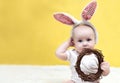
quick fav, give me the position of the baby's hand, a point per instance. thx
(106, 68)
(71, 42)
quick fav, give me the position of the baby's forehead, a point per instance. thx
(84, 36)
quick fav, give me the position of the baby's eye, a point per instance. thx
(79, 40)
(89, 39)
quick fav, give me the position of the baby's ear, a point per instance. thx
(89, 10)
(72, 41)
(64, 18)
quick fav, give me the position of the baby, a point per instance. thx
(83, 36)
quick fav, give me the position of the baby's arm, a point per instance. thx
(106, 68)
(61, 51)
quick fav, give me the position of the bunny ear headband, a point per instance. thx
(86, 15)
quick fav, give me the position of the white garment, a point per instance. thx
(89, 64)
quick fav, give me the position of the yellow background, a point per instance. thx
(30, 35)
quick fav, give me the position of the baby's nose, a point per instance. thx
(85, 44)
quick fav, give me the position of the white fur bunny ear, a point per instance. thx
(65, 18)
(89, 10)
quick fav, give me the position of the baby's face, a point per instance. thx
(83, 37)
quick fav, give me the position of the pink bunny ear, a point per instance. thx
(89, 10)
(64, 18)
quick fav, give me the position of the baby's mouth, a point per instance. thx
(85, 48)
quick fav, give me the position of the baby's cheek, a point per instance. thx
(92, 46)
